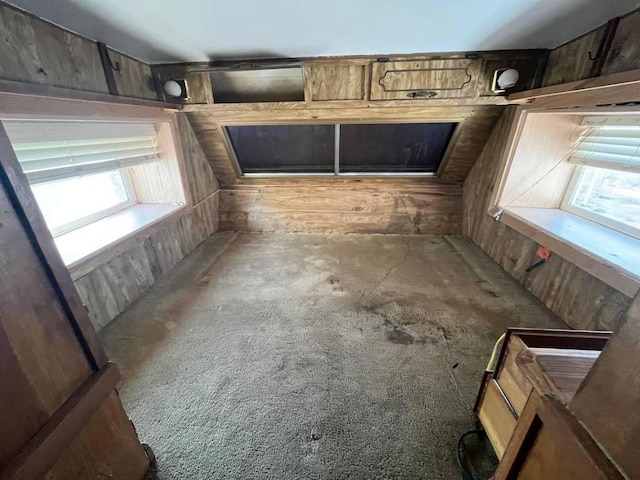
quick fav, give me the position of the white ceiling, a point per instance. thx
(159, 31)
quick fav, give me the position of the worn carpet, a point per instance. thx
(315, 356)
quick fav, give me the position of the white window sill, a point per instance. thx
(87, 247)
(608, 255)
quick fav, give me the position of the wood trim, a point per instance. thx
(525, 432)
(19, 192)
(46, 446)
(609, 89)
(346, 104)
(89, 263)
(45, 91)
(612, 275)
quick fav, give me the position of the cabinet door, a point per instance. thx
(58, 389)
(423, 79)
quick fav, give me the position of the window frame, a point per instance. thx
(567, 206)
(336, 171)
(94, 217)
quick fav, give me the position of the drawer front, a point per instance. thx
(511, 378)
(496, 417)
(425, 79)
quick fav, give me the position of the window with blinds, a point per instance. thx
(55, 150)
(606, 186)
(78, 169)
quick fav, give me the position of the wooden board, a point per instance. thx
(572, 61)
(624, 52)
(606, 403)
(496, 417)
(108, 446)
(580, 299)
(454, 78)
(335, 82)
(35, 51)
(134, 78)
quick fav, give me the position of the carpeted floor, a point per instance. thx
(315, 356)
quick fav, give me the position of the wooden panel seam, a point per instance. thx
(42, 451)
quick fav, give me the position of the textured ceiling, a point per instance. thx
(159, 31)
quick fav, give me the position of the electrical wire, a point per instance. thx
(465, 474)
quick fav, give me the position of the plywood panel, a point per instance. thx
(581, 300)
(108, 447)
(607, 401)
(115, 285)
(335, 82)
(41, 360)
(624, 53)
(454, 78)
(35, 51)
(134, 78)
(200, 178)
(572, 61)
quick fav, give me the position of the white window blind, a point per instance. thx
(53, 150)
(610, 142)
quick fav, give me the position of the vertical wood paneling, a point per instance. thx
(335, 82)
(134, 78)
(200, 178)
(580, 299)
(624, 53)
(571, 62)
(35, 51)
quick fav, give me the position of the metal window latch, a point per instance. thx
(498, 214)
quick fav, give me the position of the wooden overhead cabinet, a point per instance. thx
(424, 79)
(60, 415)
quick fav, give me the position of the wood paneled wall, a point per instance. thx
(339, 204)
(111, 287)
(581, 300)
(574, 60)
(36, 51)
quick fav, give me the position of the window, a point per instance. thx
(354, 149)
(605, 187)
(79, 171)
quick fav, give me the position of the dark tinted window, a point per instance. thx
(394, 148)
(284, 148)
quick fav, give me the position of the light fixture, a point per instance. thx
(504, 79)
(176, 88)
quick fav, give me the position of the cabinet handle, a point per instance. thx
(422, 93)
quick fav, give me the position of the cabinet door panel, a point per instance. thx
(456, 78)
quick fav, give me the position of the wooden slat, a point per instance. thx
(41, 452)
(615, 88)
(334, 82)
(496, 417)
(21, 90)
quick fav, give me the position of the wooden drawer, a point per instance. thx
(496, 416)
(423, 79)
(512, 380)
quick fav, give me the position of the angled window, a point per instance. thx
(277, 149)
(341, 149)
(394, 148)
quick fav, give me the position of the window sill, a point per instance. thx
(85, 248)
(608, 255)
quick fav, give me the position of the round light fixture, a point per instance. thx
(508, 78)
(173, 89)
